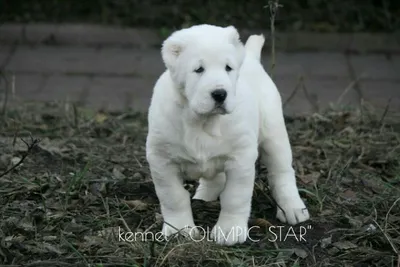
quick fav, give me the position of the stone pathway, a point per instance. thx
(115, 76)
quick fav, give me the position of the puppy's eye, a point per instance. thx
(199, 70)
(228, 68)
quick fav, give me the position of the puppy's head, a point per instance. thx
(204, 63)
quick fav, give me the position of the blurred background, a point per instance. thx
(295, 15)
(105, 53)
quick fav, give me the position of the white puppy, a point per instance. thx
(211, 110)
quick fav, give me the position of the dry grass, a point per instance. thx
(88, 177)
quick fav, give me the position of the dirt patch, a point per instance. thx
(87, 181)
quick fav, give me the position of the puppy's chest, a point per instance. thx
(202, 156)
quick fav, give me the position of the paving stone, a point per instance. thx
(395, 60)
(39, 33)
(379, 92)
(146, 62)
(297, 104)
(321, 94)
(64, 87)
(328, 91)
(5, 51)
(27, 86)
(10, 33)
(117, 78)
(106, 35)
(85, 61)
(373, 67)
(307, 64)
(53, 59)
(119, 93)
(375, 42)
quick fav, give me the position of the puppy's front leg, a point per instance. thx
(231, 227)
(174, 198)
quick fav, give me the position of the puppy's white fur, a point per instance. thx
(189, 139)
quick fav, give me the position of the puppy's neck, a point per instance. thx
(210, 124)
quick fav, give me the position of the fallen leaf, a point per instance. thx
(109, 233)
(52, 248)
(356, 222)
(50, 238)
(327, 212)
(97, 188)
(344, 245)
(158, 218)
(333, 251)
(100, 117)
(300, 253)
(369, 228)
(348, 195)
(5, 161)
(374, 184)
(116, 173)
(15, 160)
(310, 178)
(326, 242)
(94, 241)
(75, 228)
(261, 222)
(137, 176)
(26, 224)
(137, 205)
(50, 147)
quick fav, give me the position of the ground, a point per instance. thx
(84, 176)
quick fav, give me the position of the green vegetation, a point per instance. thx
(307, 15)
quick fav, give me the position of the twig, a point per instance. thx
(301, 80)
(387, 238)
(169, 253)
(75, 111)
(6, 88)
(2, 72)
(314, 104)
(387, 214)
(350, 86)
(31, 146)
(385, 112)
(273, 10)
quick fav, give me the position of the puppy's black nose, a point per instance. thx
(219, 95)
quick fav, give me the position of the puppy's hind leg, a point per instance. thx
(209, 190)
(276, 154)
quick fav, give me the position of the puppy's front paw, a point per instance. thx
(230, 230)
(182, 223)
(291, 208)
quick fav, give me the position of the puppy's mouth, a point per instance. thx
(219, 109)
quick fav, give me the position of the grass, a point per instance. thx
(87, 180)
(299, 15)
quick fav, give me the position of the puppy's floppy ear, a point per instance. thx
(233, 35)
(171, 49)
(234, 38)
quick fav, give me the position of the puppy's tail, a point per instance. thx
(254, 45)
